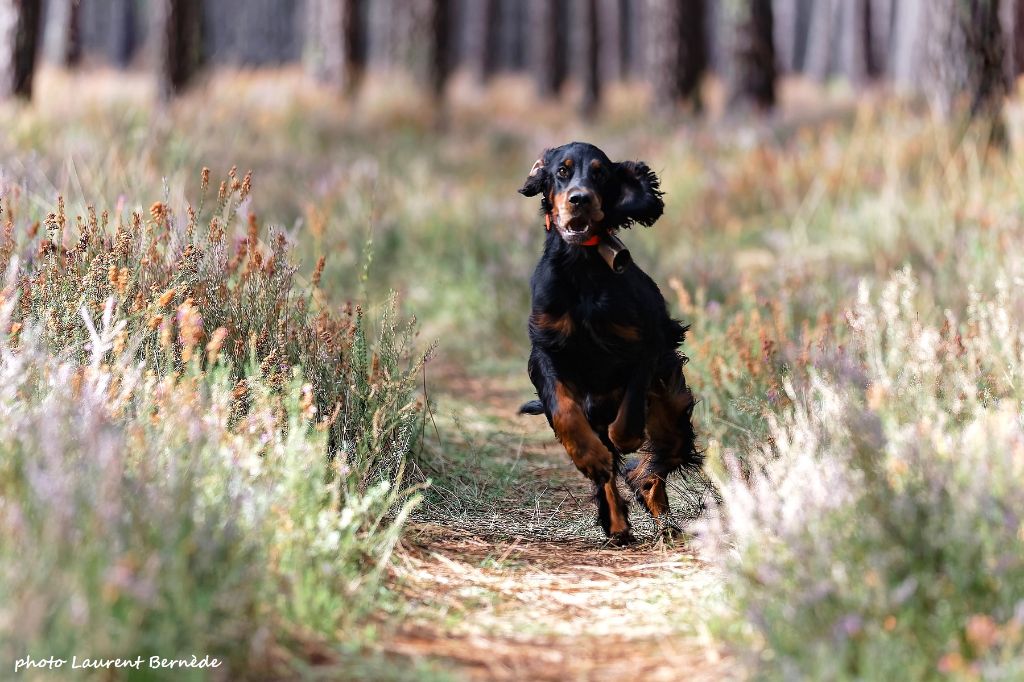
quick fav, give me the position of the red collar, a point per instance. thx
(593, 241)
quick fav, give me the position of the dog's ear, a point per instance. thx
(640, 197)
(538, 179)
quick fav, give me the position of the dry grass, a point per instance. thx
(505, 573)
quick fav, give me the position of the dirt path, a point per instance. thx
(508, 578)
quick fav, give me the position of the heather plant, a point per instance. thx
(879, 533)
(197, 456)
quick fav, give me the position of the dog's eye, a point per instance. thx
(563, 172)
(600, 173)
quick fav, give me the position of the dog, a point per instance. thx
(604, 357)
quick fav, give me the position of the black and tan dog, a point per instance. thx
(605, 357)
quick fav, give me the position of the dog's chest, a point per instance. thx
(602, 325)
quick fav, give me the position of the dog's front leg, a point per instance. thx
(584, 446)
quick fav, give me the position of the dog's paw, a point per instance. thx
(621, 539)
(669, 531)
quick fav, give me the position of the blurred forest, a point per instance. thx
(953, 51)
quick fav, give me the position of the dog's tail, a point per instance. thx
(532, 407)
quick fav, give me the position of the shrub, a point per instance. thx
(880, 534)
(197, 457)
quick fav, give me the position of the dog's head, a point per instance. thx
(585, 194)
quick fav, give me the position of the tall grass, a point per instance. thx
(873, 531)
(198, 456)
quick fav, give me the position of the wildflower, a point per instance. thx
(682, 295)
(306, 402)
(122, 281)
(190, 326)
(165, 333)
(318, 270)
(951, 663)
(216, 233)
(15, 328)
(246, 186)
(158, 211)
(119, 342)
(982, 632)
(216, 341)
(155, 321)
(165, 298)
(205, 178)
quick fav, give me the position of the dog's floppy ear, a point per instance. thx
(537, 180)
(640, 197)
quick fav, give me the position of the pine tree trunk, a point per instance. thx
(586, 18)
(854, 41)
(786, 33)
(881, 45)
(122, 30)
(965, 57)
(821, 39)
(549, 33)
(334, 43)
(438, 67)
(633, 18)
(612, 64)
(1012, 19)
(484, 21)
(61, 39)
(907, 56)
(678, 51)
(751, 70)
(19, 34)
(178, 42)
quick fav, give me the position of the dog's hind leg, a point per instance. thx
(671, 442)
(627, 430)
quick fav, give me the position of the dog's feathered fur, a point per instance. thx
(605, 359)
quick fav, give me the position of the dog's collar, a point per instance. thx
(593, 241)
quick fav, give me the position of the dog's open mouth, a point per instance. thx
(576, 230)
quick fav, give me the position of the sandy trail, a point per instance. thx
(512, 581)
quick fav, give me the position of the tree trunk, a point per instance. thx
(484, 20)
(438, 67)
(178, 42)
(880, 48)
(786, 33)
(751, 71)
(586, 19)
(19, 33)
(123, 40)
(549, 32)
(855, 41)
(334, 46)
(610, 53)
(965, 57)
(632, 24)
(907, 57)
(678, 51)
(61, 34)
(821, 39)
(1012, 20)
(511, 24)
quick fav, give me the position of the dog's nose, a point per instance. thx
(579, 199)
